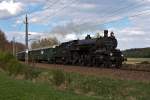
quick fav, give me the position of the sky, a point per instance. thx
(74, 19)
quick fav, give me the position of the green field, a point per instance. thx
(105, 89)
(137, 60)
(11, 89)
(41, 84)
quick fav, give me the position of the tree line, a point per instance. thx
(138, 53)
(7, 46)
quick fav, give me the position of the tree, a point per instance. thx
(7, 46)
(3, 40)
(18, 46)
(97, 35)
(44, 42)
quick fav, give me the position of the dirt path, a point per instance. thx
(113, 73)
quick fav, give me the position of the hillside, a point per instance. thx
(137, 53)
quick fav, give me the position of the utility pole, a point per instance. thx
(14, 47)
(26, 39)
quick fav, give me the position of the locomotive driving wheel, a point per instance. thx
(118, 64)
(107, 62)
(65, 61)
(89, 60)
(82, 60)
(75, 59)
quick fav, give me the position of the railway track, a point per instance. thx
(136, 67)
(123, 73)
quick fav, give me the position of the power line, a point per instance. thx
(53, 4)
(140, 14)
(20, 26)
(135, 15)
(64, 7)
(112, 13)
(73, 1)
(117, 6)
(118, 11)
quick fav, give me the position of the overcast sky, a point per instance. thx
(73, 19)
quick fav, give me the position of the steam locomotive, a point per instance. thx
(100, 51)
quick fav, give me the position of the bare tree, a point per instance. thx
(7, 46)
(44, 42)
(3, 40)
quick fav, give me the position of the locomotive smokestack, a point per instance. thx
(112, 34)
(105, 33)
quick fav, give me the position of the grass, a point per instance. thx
(11, 89)
(13, 67)
(38, 84)
(111, 89)
(137, 60)
(79, 88)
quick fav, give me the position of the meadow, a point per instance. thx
(72, 87)
(137, 60)
(22, 82)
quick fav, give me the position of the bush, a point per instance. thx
(9, 64)
(145, 62)
(14, 67)
(4, 59)
(69, 78)
(31, 73)
(58, 77)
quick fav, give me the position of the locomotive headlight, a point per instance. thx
(122, 55)
(111, 54)
(27, 51)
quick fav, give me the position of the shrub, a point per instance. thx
(58, 77)
(145, 62)
(69, 78)
(6, 57)
(31, 73)
(9, 63)
(14, 67)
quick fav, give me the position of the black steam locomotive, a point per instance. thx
(99, 51)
